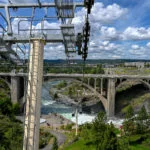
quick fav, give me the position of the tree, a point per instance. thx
(86, 132)
(130, 112)
(103, 134)
(10, 134)
(129, 124)
(142, 120)
(6, 106)
(109, 141)
(55, 144)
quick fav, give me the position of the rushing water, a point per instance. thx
(51, 106)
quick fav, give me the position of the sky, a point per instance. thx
(120, 29)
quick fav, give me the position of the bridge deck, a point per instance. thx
(53, 75)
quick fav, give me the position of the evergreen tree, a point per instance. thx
(142, 120)
(129, 124)
(103, 134)
(55, 145)
(130, 112)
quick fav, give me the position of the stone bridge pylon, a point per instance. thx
(16, 85)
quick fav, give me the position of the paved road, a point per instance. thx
(61, 138)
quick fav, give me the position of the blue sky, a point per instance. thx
(119, 29)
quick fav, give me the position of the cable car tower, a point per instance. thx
(37, 38)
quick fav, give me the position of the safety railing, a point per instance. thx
(37, 27)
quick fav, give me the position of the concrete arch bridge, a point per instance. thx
(104, 86)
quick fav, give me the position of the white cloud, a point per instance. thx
(99, 15)
(108, 33)
(116, 56)
(133, 33)
(135, 46)
(101, 45)
(137, 50)
(54, 51)
(130, 33)
(103, 14)
(148, 44)
(105, 46)
(21, 25)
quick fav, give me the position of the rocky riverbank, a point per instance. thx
(62, 98)
(55, 121)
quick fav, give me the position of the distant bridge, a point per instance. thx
(104, 86)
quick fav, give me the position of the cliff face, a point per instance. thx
(136, 96)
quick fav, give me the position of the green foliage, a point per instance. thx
(100, 134)
(55, 96)
(68, 127)
(55, 145)
(136, 129)
(87, 70)
(44, 138)
(71, 91)
(105, 138)
(11, 134)
(129, 124)
(86, 132)
(130, 112)
(16, 108)
(123, 143)
(61, 85)
(142, 121)
(80, 145)
(75, 90)
(6, 106)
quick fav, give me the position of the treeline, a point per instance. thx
(52, 69)
(79, 69)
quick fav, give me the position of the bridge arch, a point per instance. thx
(5, 80)
(144, 82)
(101, 98)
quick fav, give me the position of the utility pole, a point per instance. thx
(77, 112)
(77, 121)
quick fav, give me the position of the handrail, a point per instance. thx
(33, 29)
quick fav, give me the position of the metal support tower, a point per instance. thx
(65, 10)
(33, 102)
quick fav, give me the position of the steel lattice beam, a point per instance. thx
(30, 5)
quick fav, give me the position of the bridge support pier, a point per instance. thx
(15, 89)
(111, 97)
(33, 100)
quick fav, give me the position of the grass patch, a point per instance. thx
(80, 145)
(139, 147)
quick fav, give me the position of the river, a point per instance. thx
(51, 106)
